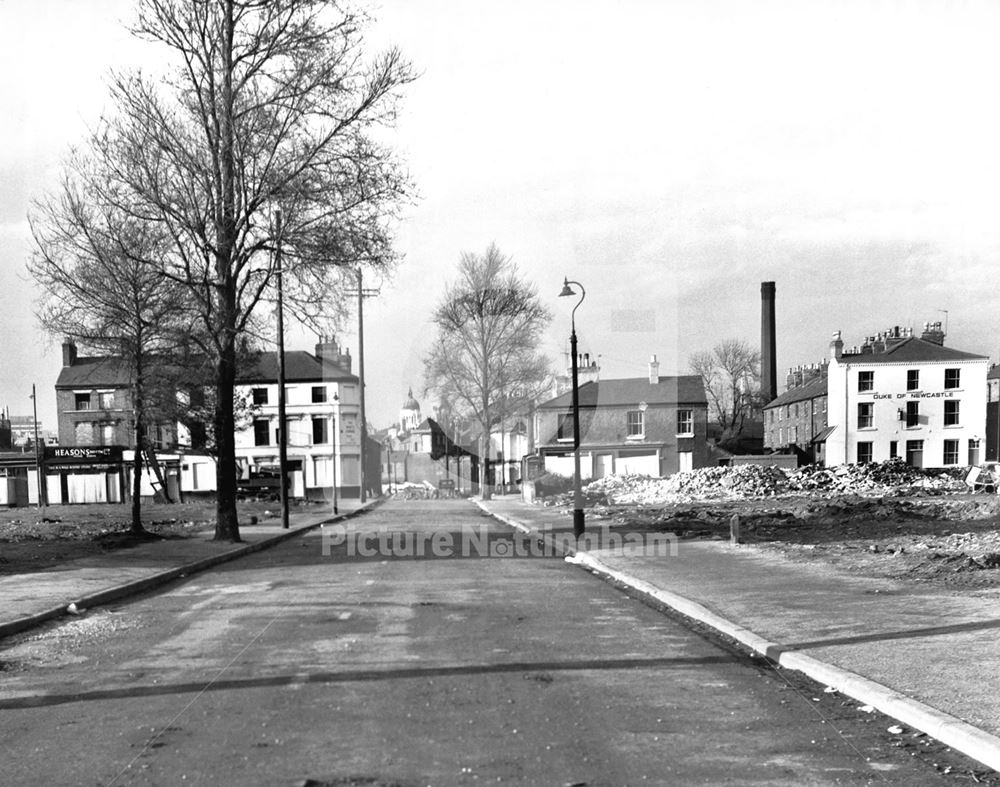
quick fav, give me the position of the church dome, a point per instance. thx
(411, 403)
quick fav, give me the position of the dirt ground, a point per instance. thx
(950, 540)
(32, 539)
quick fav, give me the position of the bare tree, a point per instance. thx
(730, 372)
(266, 109)
(91, 264)
(486, 356)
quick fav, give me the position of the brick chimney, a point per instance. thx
(836, 346)
(328, 352)
(768, 344)
(654, 370)
(69, 351)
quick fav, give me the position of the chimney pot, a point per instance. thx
(654, 370)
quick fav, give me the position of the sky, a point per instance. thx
(669, 155)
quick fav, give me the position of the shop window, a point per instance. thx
(951, 412)
(952, 377)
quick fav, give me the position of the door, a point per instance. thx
(605, 465)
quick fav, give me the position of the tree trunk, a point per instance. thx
(137, 409)
(137, 528)
(226, 523)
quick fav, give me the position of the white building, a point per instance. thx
(322, 408)
(899, 395)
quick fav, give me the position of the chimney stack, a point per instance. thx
(68, 351)
(768, 344)
(654, 370)
(836, 346)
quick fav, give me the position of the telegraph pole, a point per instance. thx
(362, 294)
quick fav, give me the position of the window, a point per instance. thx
(318, 394)
(259, 397)
(82, 401)
(261, 431)
(866, 415)
(913, 380)
(795, 412)
(824, 404)
(107, 434)
(864, 453)
(635, 422)
(913, 413)
(893, 449)
(951, 412)
(951, 452)
(106, 400)
(564, 430)
(973, 453)
(866, 381)
(320, 431)
(793, 434)
(685, 422)
(951, 378)
(915, 453)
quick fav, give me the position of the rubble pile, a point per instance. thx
(746, 482)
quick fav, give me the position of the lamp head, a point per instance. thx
(566, 290)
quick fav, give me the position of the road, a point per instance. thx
(305, 664)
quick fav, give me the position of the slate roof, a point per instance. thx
(300, 366)
(800, 393)
(684, 389)
(914, 350)
(97, 372)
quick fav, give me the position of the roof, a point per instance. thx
(684, 389)
(113, 372)
(822, 434)
(300, 366)
(915, 350)
(800, 393)
(102, 371)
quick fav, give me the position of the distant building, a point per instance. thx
(796, 420)
(653, 425)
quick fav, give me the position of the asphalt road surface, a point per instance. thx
(307, 664)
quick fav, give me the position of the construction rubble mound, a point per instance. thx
(748, 482)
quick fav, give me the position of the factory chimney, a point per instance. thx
(768, 368)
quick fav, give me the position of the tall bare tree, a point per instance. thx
(264, 107)
(730, 372)
(485, 358)
(91, 265)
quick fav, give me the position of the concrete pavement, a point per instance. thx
(28, 599)
(926, 656)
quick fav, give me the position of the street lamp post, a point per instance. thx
(578, 524)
